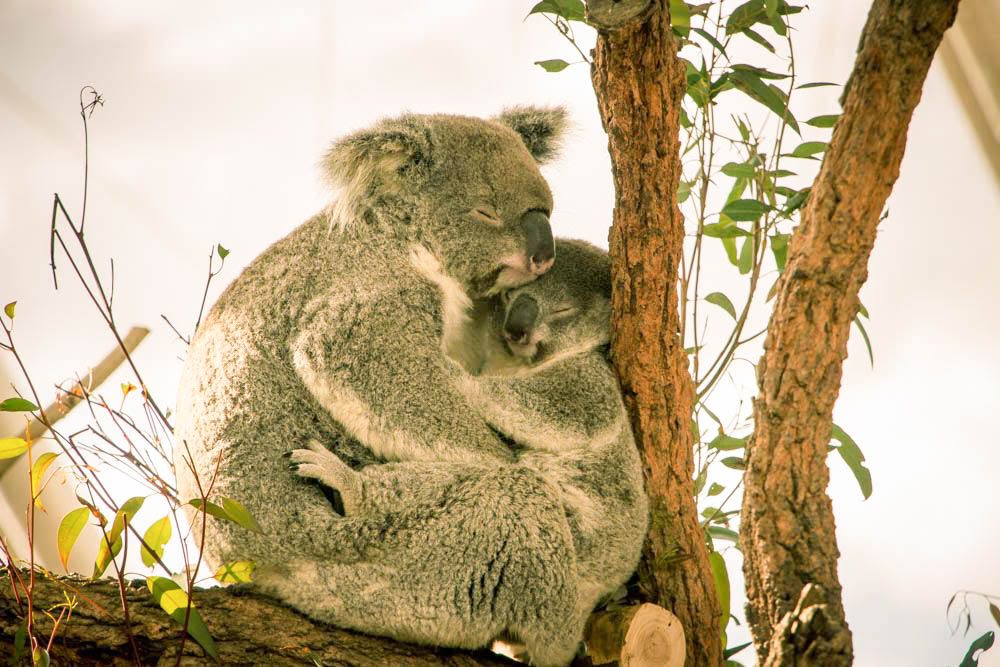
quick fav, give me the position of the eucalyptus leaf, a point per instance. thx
(868, 343)
(156, 536)
(722, 301)
(236, 572)
(745, 262)
(823, 121)
(735, 169)
(223, 252)
(721, 578)
(9, 309)
(982, 643)
(571, 10)
(17, 404)
(808, 149)
(38, 469)
(851, 453)
(12, 447)
(69, 531)
(173, 600)
(726, 443)
(750, 83)
(815, 84)
(734, 462)
(745, 210)
(718, 230)
(554, 65)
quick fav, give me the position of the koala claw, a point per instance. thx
(319, 463)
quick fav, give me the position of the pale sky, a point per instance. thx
(216, 116)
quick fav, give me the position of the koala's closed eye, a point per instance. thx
(486, 213)
(563, 312)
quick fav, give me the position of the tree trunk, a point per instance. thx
(787, 527)
(639, 81)
(248, 628)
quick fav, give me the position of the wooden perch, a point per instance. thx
(90, 380)
(248, 628)
(636, 636)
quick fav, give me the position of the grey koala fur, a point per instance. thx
(562, 407)
(336, 332)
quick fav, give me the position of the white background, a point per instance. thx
(217, 114)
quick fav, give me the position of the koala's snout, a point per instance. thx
(519, 323)
(539, 246)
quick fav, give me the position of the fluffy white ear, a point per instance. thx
(541, 128)
(374, 158)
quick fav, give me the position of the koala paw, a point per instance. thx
(319, 463)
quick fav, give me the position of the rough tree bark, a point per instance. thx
(248, 628)
(787, 532)
(639, 81)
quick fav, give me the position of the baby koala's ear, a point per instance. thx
(541, 128)
(378, 153)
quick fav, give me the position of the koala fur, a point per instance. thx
(337, 332)
(562, 409)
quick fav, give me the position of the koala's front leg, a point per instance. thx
(375, 362)
(319, 463)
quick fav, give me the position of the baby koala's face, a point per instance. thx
(564, 312)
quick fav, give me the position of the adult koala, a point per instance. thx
(336, 333)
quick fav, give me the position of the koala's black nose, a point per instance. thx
(540, 247)
(520, 321)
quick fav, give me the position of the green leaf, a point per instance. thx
(733, 650)
(760, 72)
(17, 405)
(725, 443)
(734, 462)
(38, 469)
(779, 247)
(995, 613)
(555, 65)
(745, 16)
(808, 149)
(797, 200)
(749, 82)
(240, 515)
(723, 533)
(173, 600)
(223, 253)
(723, 302)
(20, 639)
(868, 343)
(719, 230)
(69, 530)
(711, 40)
(745, 262)
(684, 191)
(715, 489)
(680, 17)
(156, 536)
(757, 37)
(9, 309)
(111, 543)
(571, 10)
(735, 169)
(863, 311)
(815, 84)
(721, 578)
(12, 447)
(40, 657)
(745, 210)
(210, 508)
(237, 572)
(699, 482)
(851, 453)
(823, 121)
(983, 643)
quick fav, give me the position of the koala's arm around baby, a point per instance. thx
(374, 362)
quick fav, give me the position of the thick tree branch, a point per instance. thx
(249, 629)
(639, 81)
(787, 529)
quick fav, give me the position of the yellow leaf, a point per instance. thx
(156, 537)
(236, 572)
(12, 447)
(37, 472)
(69, 530)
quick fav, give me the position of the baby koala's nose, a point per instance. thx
(520, 320)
